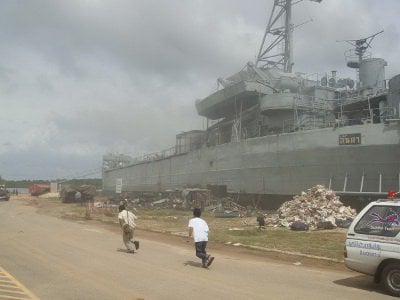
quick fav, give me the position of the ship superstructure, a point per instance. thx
(271, 131)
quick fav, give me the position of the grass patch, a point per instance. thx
(319, 243)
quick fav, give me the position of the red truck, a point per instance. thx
(39, 189)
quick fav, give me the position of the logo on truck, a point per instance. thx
(391, 219)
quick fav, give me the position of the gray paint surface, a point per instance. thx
(280, 164)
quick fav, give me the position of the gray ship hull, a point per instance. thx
(283, 164)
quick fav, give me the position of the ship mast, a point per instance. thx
(359, 52)
(361, 45)
(279, 53)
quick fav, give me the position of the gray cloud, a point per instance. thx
(81, 78)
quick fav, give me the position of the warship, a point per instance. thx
(274, 132)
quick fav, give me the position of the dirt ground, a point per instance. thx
(64, 258)
(57, 209)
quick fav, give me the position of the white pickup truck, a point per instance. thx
(373, 243)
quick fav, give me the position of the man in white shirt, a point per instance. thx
(198, 228)
(127, 222)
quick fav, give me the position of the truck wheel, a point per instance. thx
(391, 278)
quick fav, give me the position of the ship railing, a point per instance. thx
(391, 114)
(172, 151)
(366, 116)
(169, 152)
(291, 125)
(351, 55)
(352, 96)
(312, 103)
(155, 155)
(378, 181)
(360, 117)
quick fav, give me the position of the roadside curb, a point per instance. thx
(288, 252)
(266, 249)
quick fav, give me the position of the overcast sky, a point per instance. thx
(82, 78)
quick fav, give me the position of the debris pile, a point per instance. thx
(228, 203)
(318, 206)
(226, 208)
(190, 198)
(83, 193)
(165, 203)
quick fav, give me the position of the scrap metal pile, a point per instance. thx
(227, 208)
(221, 207)
(68, 193)
(317, 206)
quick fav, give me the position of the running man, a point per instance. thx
(198, 228)
(127, 222)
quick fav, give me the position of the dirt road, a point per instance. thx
(60, 259)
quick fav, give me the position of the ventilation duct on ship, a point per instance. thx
(324, 81)
(332, 82)
(394, 97)
(372, 73)
(286, 83)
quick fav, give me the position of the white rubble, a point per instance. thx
(318, 204)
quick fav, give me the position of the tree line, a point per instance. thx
(97, 182)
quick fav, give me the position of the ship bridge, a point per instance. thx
(228, 101)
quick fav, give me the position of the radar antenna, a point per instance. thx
(281, 36)
(361, 45)
(355, 55)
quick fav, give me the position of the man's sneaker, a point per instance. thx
(131, 251)
(136, 244)
(204, 261)
(210, 260)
